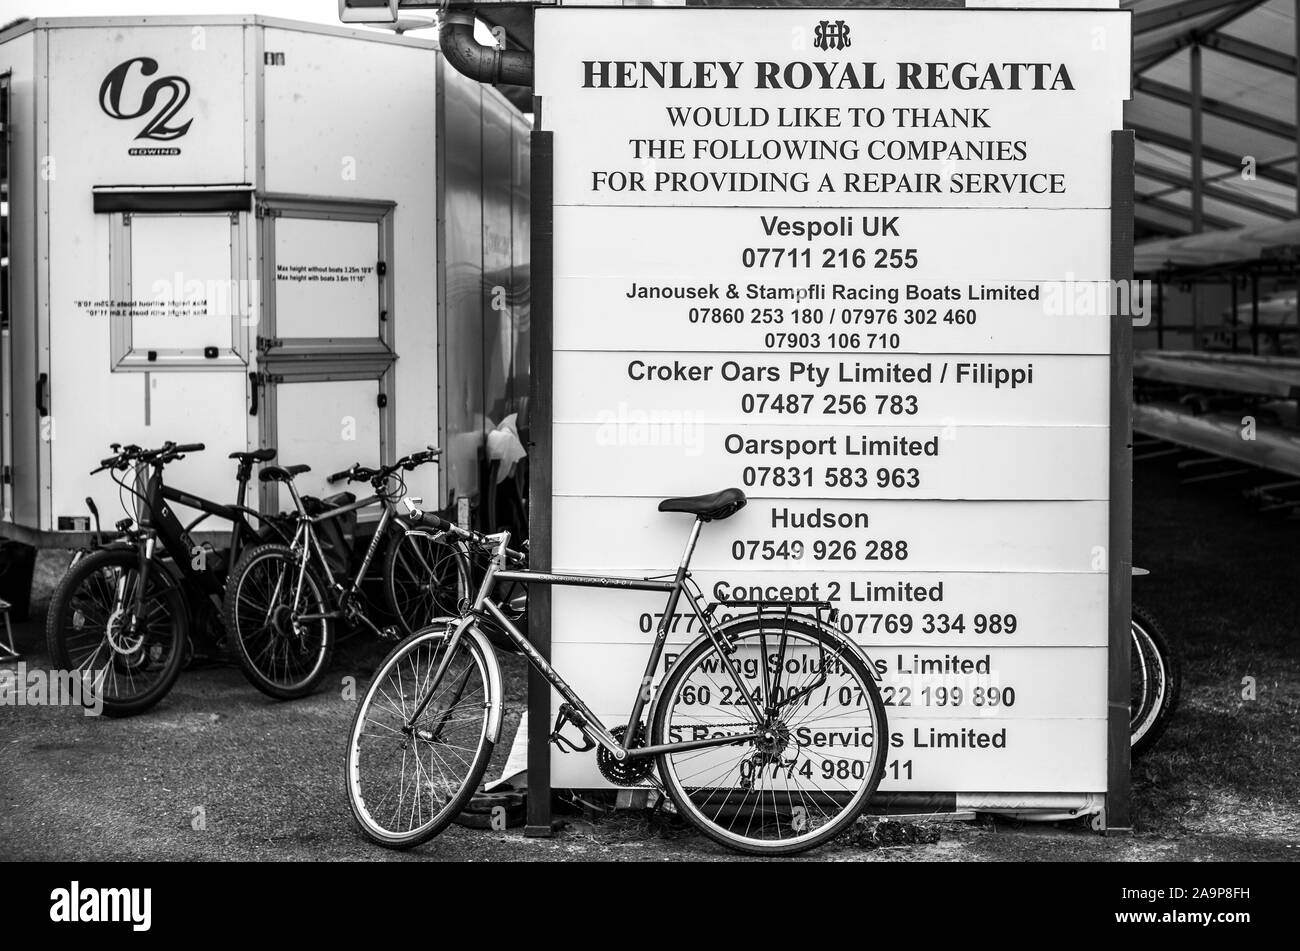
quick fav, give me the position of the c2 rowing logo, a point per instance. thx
(161, 111)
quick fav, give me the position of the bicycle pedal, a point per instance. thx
(390, 633)
(569, 715)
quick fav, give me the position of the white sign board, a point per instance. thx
(838, 259)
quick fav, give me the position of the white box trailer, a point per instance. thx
(250, 232)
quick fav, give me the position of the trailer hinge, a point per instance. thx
(381, 400)
(266, 343)
(6, 475)
(266, 211)
(254, 391)
(381, 268)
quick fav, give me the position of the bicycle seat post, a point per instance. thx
(690, 549)
(293, 493)
(242, 475)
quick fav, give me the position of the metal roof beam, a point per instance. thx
(1169, 140)
(1173, 13)
(1250, 52)
(1169, 207)
(1183, 183)
(1146, 57)
(1213, 107)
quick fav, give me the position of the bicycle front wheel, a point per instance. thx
(278, 618)
(424, 578)
(811, 760)
(126, 662)
(408, 777)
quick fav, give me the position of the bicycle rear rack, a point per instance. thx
(832, 612)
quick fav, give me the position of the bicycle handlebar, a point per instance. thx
(441, 524)
(167, 452)
(360, 473)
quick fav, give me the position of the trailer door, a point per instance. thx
(325, 344)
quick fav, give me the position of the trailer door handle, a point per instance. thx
(252, 403)
(43, 395)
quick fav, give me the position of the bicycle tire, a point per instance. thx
(1158, 707)
(857, 799)
(67, 612)
(403, 559)
(246, 638)
(484, 660)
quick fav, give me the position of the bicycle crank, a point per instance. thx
(628, 772)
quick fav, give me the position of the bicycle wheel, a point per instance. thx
(278, 628)
(88, 630)
(424, 578)
(407, 781)
(817, 760)
(1155, 679)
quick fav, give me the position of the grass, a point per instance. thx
(1223, 581)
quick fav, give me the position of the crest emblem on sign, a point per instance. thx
(832, 35)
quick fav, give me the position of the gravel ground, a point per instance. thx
(217, 771)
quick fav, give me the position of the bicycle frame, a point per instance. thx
(163, 526)
(675, 589)
(305, 539)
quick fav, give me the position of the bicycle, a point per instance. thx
(283, 599)
(742, 754)
(1155, 679)
(123, 611)
(425, 576)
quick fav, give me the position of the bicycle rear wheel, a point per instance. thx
(817, 759)
(280, 630)
(407, 781)
(88, 630)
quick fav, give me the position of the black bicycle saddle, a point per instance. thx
(712, 507)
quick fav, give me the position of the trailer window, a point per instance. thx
(326, 280)
(180, 297)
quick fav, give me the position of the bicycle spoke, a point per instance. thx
(424, 763)
(777, 790)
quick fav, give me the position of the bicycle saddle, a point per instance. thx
(713, 507)
(281, 473)
(260, 455)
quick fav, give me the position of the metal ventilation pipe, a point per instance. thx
(487, 64)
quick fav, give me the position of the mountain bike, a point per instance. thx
(123, 612)
(283, 600)
(767, 732)
(1155, 679)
